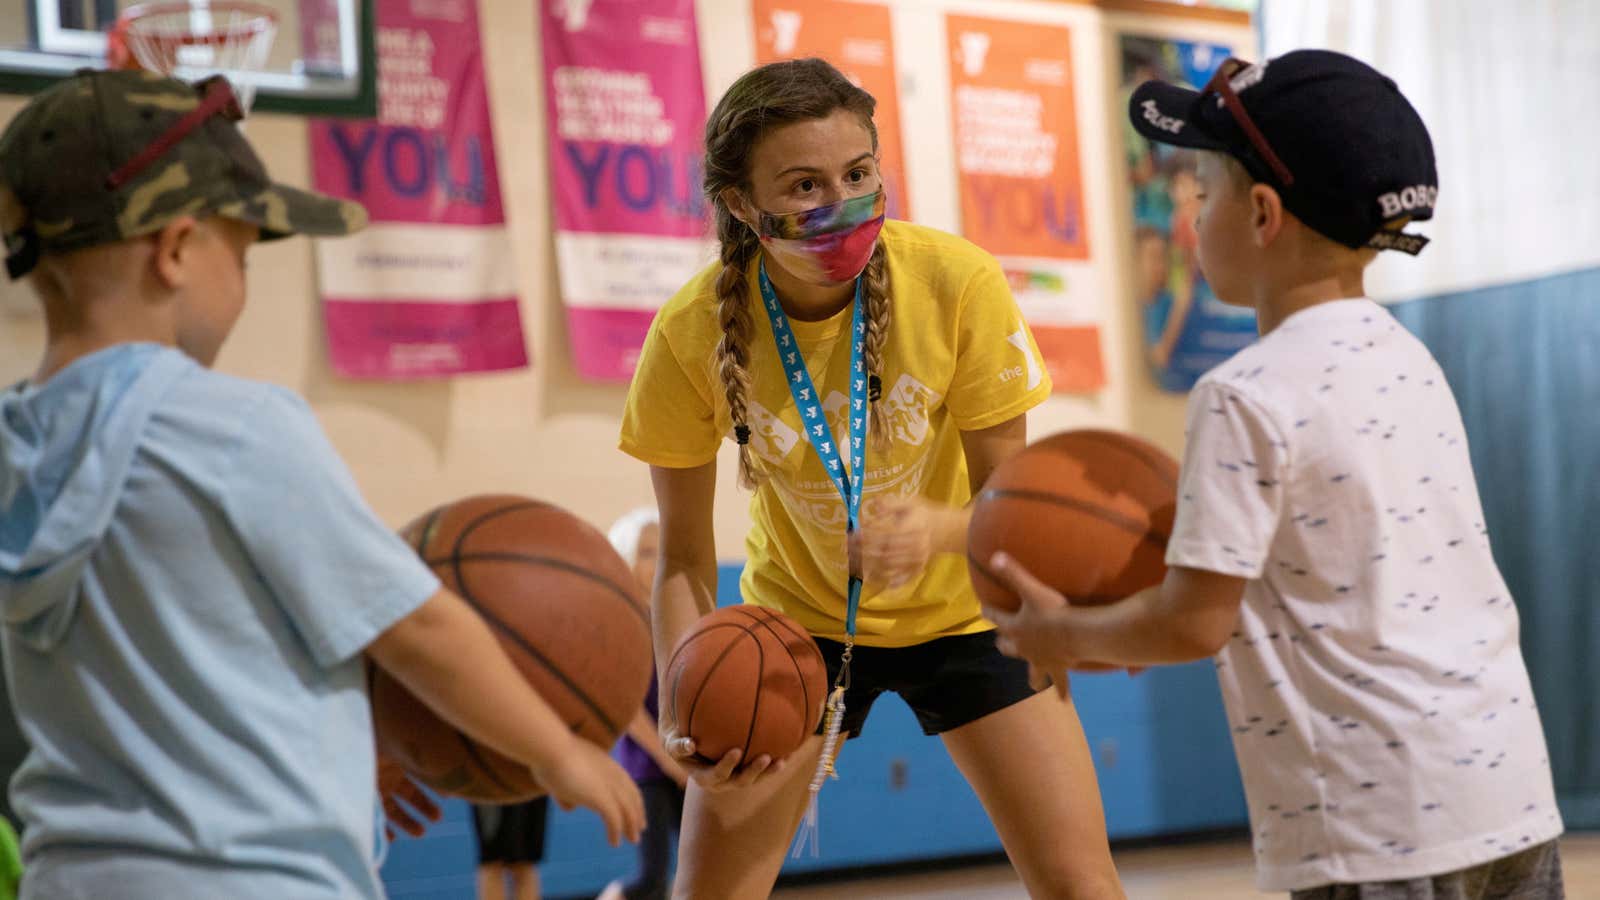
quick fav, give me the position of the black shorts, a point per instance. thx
(948, 682)
(511, 835)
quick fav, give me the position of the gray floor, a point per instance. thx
(1190, 872)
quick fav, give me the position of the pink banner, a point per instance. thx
(428, 290)
(627, 109)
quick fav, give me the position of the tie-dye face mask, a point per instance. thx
(827, 245)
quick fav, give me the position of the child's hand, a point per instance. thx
(726, 773)
(1041, 598)
(1040, 631)
(585, 775)
(394, 785)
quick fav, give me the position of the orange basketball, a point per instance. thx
(1087, 512)
(746, 677)
(565, 608)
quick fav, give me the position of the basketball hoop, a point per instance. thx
(191, 40)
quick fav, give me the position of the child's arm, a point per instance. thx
(1188, 616)
(447, 656)
(645, 733)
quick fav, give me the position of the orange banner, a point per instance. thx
(856, 38)
(1016, 135)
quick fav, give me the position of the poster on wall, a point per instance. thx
(1186, 330)
(428, 289)
(626, 114)
(857, 39)
(1021, 185)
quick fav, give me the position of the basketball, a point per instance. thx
(746, 678)
(565, 608)
(1087, 512)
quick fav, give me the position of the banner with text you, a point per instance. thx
(857, 39)
(429, 288)
(627, 113)
(1021, 186)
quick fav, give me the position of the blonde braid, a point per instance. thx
(875, 293)
(733, 351)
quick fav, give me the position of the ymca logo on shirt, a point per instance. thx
(1019, 340)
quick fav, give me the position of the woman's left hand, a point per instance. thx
(899, 535)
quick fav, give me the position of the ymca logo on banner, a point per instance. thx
(574, 14)
(858, 40)
(974, 49)
(786, 25)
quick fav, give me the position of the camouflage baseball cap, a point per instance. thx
(110, 155)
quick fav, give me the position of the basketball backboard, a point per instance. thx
(321, 60)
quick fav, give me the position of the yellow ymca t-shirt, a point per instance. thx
(958, 357)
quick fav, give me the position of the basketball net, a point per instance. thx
(193, 39)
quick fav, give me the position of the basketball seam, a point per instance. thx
(805, 692)
(986, 573)
(788, 624)
(554, 563)
(983, 570)
(695, 637)
(481, 763)
(715, 664)
(426, 532)
(1127, 524)
(755, 705)
(456, 559)
(1145, 454)
(535, 654)
(482, 518)
(675, 672)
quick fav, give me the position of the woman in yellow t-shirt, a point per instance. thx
(828, 342)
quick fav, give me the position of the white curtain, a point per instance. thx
(1510, 91)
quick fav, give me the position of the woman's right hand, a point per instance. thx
(724, 775)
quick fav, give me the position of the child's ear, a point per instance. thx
(175, 246)
(1266, 214)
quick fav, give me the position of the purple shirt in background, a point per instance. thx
(633, 757)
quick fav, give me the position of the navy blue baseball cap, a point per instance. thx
(1335, 137)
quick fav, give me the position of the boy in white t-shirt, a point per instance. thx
(1329, 546)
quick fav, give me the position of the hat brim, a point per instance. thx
(1168, 114)
(280, 211)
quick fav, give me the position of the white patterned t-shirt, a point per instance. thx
(1377, 696)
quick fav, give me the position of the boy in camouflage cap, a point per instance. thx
(190, 581)
(109, 156)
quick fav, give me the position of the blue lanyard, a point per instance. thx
(815, 424)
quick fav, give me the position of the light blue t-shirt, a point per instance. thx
(188, 576)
